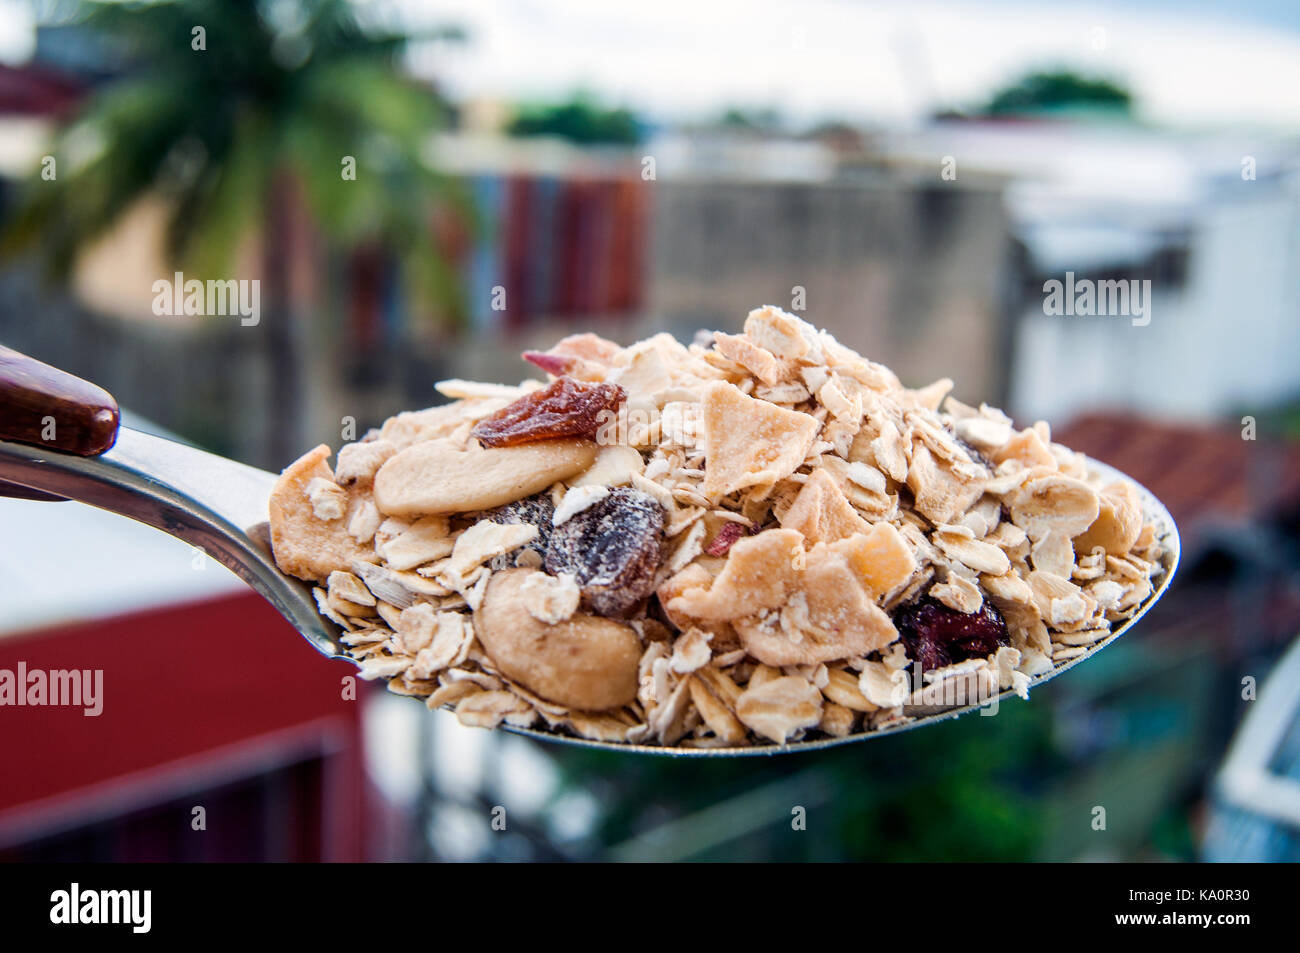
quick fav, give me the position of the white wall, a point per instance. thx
(1229, 337)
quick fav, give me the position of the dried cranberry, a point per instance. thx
(936, 635)
(557, 364)
(726, 538)
(567, 408)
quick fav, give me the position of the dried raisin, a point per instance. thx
(566, 408)
(536, 510)
(613, 547)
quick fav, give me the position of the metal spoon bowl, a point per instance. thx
(210, 502)
(220, 506)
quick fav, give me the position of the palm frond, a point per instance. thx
(290, 86)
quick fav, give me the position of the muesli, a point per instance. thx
(754, 539)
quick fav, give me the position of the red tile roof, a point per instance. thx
(1209, 478)
(1204, 474)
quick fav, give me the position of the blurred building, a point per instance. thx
(214, 734)
(934, 275)
(1211, 219)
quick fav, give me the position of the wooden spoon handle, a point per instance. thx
(46, 407)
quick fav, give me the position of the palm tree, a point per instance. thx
(223, 121)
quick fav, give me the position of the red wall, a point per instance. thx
(194, 697)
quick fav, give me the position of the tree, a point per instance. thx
(1054, 90)
(738, 119)
(221, 106)
(579, 120)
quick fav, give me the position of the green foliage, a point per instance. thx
(738, 119)
(280, 92)
(1281, 422)
(1058, 90)
(956, 792)
(579, 120)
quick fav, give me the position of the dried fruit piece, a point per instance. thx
(936, 635)
(557, 364)
(537, 510)
(727, 536)
(613, 548)
(584, 356)
(567, 408)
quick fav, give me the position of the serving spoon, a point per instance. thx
(61, 439)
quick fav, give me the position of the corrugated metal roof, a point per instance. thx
(1207, 476)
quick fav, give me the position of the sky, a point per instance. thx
(16, 38)
(1190, 62)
